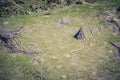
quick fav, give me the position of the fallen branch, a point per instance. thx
(114, 45)
(117, 47)
(8, 38)
(113, 71)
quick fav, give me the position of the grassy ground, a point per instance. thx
(61, 56)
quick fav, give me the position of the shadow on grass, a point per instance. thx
(17, 68)
(110, 70)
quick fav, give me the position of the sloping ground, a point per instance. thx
(21, 7)
(60, 56)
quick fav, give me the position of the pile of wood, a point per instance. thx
(9, 37)
(114, 18)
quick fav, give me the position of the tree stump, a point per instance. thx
(79, 35)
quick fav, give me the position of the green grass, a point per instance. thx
(61, 56)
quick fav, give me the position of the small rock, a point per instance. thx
(67, 56)
(58, 66)
(63, 77)
(93, 73)
(5, 23)
(65, 20)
